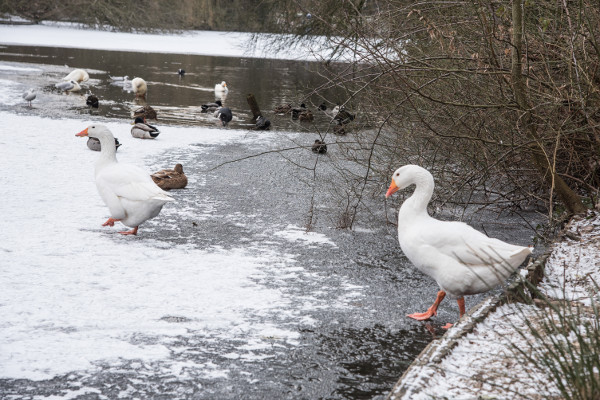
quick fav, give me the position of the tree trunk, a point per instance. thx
(253, 106)
(568, 197)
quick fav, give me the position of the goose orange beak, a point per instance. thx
(391, 190)
(82, 133)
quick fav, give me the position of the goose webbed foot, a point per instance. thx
(131, 232)
(110, 222)
(431, 311)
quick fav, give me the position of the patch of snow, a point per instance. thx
(11, 93)
(211, 43)
(573, 269)
(10, 68)
(75, 296)
(478, 365)
(71, 394)
(295, 233)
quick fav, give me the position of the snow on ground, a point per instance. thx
(74, 294)
(211, 43)
(295, 233)
(485, 363)
(573, 268)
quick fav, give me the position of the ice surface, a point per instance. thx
(74, 294)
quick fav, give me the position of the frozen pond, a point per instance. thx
(224, 294)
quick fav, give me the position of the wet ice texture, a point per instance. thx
(78, 298)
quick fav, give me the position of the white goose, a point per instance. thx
(462, 260)
(128, 191)
(70, 86)
(139, 87)
(77, 75)
(221, 88)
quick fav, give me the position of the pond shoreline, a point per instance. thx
(438, 358)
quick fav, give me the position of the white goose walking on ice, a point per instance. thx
(128, 191)
(462, 260)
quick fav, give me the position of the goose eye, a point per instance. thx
(397, 173)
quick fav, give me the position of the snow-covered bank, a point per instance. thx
(210, 43)
(485, 362)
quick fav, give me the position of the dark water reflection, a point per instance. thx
(177, 99)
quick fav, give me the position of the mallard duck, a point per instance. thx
(343, 116)
(221, 87)
(262, 124)
(224, 114)
(319, 147)
(462, 260)
(92, 101)
(283, 109)
(128, 191)
(338, 129)
(168, 179)
(211, 107)
(302, 113)
(142, 130)
(29, 96)
(94, 144)
(70, 86)
(139, 87)
(297, 110)
(306, 116)
(77, 75)
(146, 112)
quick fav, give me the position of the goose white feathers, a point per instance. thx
(77, 75)
(70, 86)
(128, 191)
(139, 87)
(221, 87)
(462, 260)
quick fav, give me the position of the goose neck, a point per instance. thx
(416, 204)
(108, 151)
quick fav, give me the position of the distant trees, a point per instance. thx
(125, 15)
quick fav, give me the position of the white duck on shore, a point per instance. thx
(128, 191)
(462, 260)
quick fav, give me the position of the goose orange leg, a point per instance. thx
(110, 222)
(431, 311)
(131, 232)
(461, 311)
